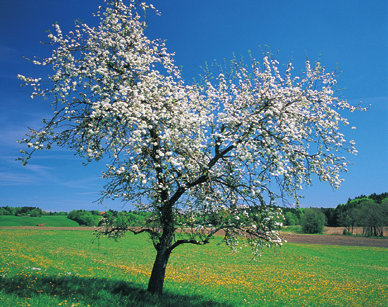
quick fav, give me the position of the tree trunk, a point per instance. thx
(155, 284)
(374, 231)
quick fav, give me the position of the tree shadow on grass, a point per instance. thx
(96, 292)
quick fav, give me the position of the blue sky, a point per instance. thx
(348, 36)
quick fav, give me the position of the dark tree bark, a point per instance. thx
(164, 246)
(155, 284)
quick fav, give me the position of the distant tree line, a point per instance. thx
(84, 217)
(369, 212)
(27, 211)
(112, 217)
(129, 218)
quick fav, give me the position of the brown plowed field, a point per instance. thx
(337, 240)
(331, 236)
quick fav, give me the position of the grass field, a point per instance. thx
(63, 268)
(48, 220)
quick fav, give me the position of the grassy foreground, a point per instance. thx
(62, 268)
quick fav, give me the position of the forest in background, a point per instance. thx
(369, 212)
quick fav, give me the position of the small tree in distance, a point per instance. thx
(313, 221)
(200, 157)
(291, 219)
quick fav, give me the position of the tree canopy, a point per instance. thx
(230, 145)
(313, 221)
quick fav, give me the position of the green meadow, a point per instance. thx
(48, 220)
(67, 268)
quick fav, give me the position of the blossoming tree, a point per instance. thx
(200, 158)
